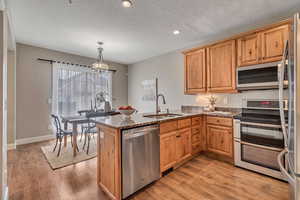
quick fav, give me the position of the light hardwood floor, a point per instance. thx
(31, 178)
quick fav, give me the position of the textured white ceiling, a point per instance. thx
(143, 31)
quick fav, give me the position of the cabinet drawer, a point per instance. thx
(219, 121)
(196, 130)
(196, 121)
(168, 126)
(184, 123)
(196, 138)
(196, 148)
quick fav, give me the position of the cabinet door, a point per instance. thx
(183, 144)
(219, 140)
(109, 166)
(273, 41)
(195, 72)
(167, 150)
(247, 50)
(221, 67)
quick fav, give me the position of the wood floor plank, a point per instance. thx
(202, 178)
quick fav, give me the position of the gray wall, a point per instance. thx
(11, 106)
(33, 88)
(169, 69)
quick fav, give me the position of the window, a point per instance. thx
(75, 88)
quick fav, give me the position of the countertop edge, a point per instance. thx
(158, 121)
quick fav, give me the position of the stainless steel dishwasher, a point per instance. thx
(140, 158)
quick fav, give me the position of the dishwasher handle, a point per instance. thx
(139, 133)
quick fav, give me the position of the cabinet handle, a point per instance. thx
(250, 52)
(276, 44)
(178, 136)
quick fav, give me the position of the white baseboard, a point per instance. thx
(11, 146)
(34, 139)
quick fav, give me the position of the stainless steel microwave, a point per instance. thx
(262, 76)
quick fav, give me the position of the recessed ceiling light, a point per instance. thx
(176, 32)
(126, 3)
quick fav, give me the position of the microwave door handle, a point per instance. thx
(281, 67)
(283, 169)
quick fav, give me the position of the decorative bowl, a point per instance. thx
(127, 113)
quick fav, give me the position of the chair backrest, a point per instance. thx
(56, 123)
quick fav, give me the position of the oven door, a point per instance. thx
(269, 135)
(257, 158)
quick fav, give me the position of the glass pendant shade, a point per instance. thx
(100, 65)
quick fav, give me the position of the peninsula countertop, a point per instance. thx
(139, 119)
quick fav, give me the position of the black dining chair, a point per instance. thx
(60, 134)
(84, 127)
(89, 132)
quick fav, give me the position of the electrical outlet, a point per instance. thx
(225, 100)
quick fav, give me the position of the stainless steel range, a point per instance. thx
(258, 137)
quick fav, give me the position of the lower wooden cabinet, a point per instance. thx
(167, 150)
(183, 144)
(109, 161)
(219, 140)
(174, 147)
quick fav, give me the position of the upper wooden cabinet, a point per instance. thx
(195, 72)
(212, 68)
(273, 41)
(262, 46)
(248, 50)
(221, 67)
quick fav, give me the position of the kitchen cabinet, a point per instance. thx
(175, 142)
(183, 144)
(221, 67)
(219, 139)
(247, 50)
(109, 167)
(195, 72)
(197, 134)
(212, 68)
(262, 46)
(273, 42)
(219, 135)
(167, 150)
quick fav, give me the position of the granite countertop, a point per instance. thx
(118, 121)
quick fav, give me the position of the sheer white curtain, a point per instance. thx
(74, 87)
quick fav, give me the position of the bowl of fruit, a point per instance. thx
(127, 110)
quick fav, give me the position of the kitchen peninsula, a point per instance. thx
(181, 136)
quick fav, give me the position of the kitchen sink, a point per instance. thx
(162, 115)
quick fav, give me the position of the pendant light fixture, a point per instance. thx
(100, 65)
(126, 3)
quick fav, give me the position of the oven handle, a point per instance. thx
(260, 146)
(282, 168)
(261, 124)
(281, 67)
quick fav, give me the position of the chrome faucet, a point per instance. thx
(157, 97)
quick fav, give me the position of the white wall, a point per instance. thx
(169, 69)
